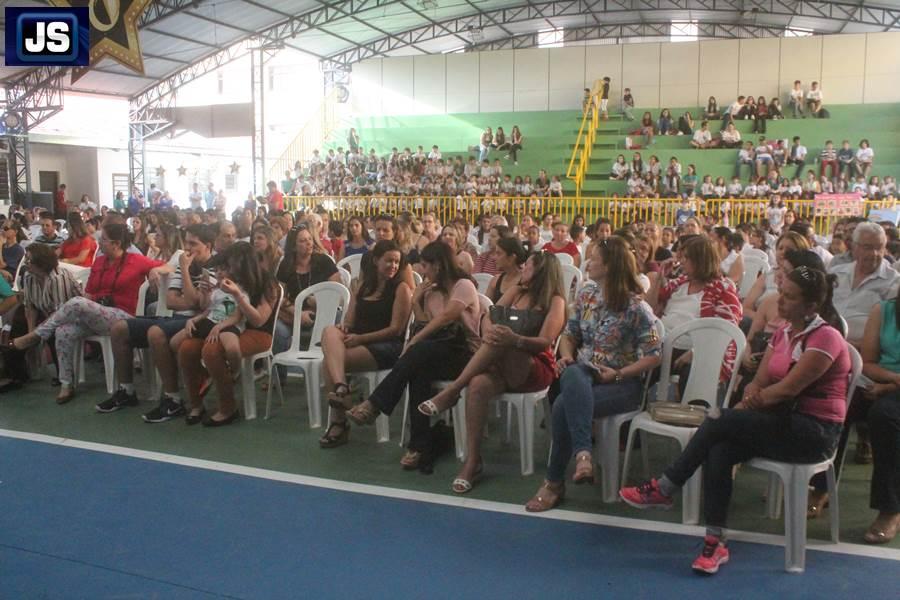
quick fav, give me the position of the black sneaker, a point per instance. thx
(168, 409)
(120, 399)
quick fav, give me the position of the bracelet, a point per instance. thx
(618, 376)
(520, 342)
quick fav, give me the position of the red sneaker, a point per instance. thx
(714, 553)
(646, 495)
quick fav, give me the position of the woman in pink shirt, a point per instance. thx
(792, 411)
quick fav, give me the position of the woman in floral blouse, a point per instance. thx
(609, 343)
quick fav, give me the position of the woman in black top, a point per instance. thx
(500, 142)
(371, 337)
(515, 144)
(510, 256)
(712, 110)
(300, 269)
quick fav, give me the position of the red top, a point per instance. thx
(570, 248)
(71, 248)
(132, 269)
(59, 201)
(276, 200)
(336, 245)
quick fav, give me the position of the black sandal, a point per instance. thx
(337, 398)
(330, 440)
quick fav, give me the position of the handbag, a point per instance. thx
(524, 322)
(678, 414)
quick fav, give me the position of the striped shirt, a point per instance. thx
(48, 294)
(56, 241)
(197, 274)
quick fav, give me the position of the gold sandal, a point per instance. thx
(882, 535)
(817, 502)
(363, 414)
(584, 469)
(546, 498)
(410, 460)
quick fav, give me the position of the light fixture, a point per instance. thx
(475, 34)
(12, 120)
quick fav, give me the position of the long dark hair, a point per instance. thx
(240, 260)
(513, 247)
(118, 232)
(621, 281)
(76, 227)
(546, 281)
(362, 225)
(815, 285)
(448, 272)
(369, 270)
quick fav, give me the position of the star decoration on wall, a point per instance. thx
(235, 168)
(114, 31)
(160, 171)
(182, 171)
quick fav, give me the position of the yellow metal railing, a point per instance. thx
(620, 211)
(321, 124)
(584, 143)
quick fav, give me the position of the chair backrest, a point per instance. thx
(856, 367)
(81, 274)
(351, 263)
(345, 277)
(753, 266)
(417, 279)
(755, 252)
(331, 299)
(16, 279)
(565, 259)
(710, 338)
(162, 302)
(570, 274)
(486, 303)
(482, 281)
(844, 327)
(141, 309)
(648, 376)
(277, 310)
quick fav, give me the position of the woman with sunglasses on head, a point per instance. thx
(447, 312)
(13, 252)
(609, 343)
(792, 411)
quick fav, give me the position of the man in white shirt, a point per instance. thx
(797, 97)
(702, 137)
(866, 281)
(196, 198)
(814, 99)
(797, 156)
(745, 157)
(435, 153)
(807, 231)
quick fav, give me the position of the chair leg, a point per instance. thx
(774, 496)
(507, 436)
(627, 463)
(269, 387)
(607, 455)
(833, 508)
(796, 496)
(690, 499)
(527, 449)
(645, 452)
(248, 389)
(458, 414)
(405, 427)
(313, 396)
(383, 428)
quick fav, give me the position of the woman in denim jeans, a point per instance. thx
(609, 343)
(792, 411)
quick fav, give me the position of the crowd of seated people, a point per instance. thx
(222, 282)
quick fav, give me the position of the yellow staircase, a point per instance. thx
(321, 124)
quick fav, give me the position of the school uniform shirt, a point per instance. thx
(854, 304)
(702, 137)
(865, 155)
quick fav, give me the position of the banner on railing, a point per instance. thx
(838, 205)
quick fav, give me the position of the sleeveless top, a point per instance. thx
(351, 251)
(498, 292)
(374, 315)
(889, 337)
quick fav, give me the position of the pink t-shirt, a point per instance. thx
(465, 292)
(826, 398)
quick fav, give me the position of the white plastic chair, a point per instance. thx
(352, 264)
(482, 281)
(248, 381)
(753, 266)
(791, 480)
(82, 274)
(570, 275)
(606, 449)
(565, 259)
(417, 279)
(105, 342)
(710, 339)
(15, 283)
(331, 300)
(346, 278)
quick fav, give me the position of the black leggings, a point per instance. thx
(514, 151)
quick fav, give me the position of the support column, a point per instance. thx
(258, 87)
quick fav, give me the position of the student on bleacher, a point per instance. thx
(628, 104)
(110, 295)
(672, 183)
(484, 147)
(608, 344)
(647, 128)
(371, 336)
(763, 156)
(846, 159)
(745, 156)
(734, 111)
(703, 137)
(798, 96)
(731, 137)
(863, 160)
(689, 182)
(807, 371)
(811, 185)
(774, 109)
(447, 312)
(814, 100)
(760, 114)
(620, 169)
(828, 158)
(712, 110)
(686, 124)
(797, 155)
(665, 125)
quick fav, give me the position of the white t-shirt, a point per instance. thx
(865, 155)
(702, 137)
(814, 95)
(797, 94)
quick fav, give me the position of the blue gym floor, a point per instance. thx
(78, 523)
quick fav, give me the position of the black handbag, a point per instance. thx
(524, 322)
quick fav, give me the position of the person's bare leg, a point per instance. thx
(164, 359)
(486, 357)
(333, 365)
(122, 352)
(355, 360)
(232, 346)
(482, 389)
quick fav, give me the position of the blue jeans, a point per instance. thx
(580, 401)
(483, 153)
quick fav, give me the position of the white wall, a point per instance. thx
(83, 169)
(856, 68)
